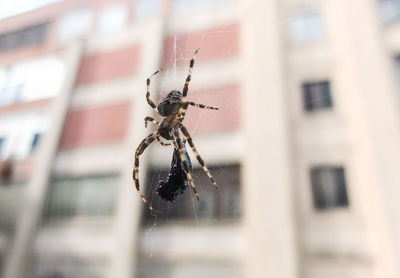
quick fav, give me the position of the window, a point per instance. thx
(389, 10)
(75, 24)
(67, 265)
(31, 80)
(145, 9)
(223, 203)
(22, 133)
(306, 27)
(112, 18)
(88, 198)
(32, 35)
(328, 187)
(11, 205)
(317, 96)
(184, 6)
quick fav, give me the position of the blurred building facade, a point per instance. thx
(305, 147)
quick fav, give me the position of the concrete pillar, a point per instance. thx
(267, 175)
(129, 204)
(364, 77)
(28, 223)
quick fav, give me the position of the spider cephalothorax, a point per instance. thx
(173, 109)
(170, 104)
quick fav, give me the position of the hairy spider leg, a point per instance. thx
(149, 101)
(161, 142)
(154, 121)
(140, 149)
(201, 105)
(182, 109)
(150, 119)
(181, 149)
(198, 157)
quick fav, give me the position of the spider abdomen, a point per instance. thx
(170, 104)
(177, 181)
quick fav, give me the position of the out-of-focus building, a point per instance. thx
(305, 147)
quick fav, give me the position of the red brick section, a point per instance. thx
(25, 106)
(103, 66)
(215, 43)
(227, 99)
(100, 125)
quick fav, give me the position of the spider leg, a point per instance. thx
(201, 105)
(201, 161)
(154, 121)
(161, 142)
(149, 101)
(182, 110)
(140, 149)
(184, 162)
(150, 119)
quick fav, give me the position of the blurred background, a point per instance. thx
(305, 147)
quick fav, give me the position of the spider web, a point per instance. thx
(173, 77)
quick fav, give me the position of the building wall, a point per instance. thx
(254, 61)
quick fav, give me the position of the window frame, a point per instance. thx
(302, 27)
(48, 215)
(338, 179)
(325, 101)
(218, 200)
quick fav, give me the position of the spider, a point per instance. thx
(173, 110)
(177, 181)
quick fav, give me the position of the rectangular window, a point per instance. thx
(185, 6)
(11, 205)
(317, 96)
(389, 10)
(145, 9)
(74, 198)
(31, 80)
(29, 36)
(47, 265)
(75, 24)
(306, 27)
(223, 203)
(328, 187)
(112, 18)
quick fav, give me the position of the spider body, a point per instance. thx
(177, 181)
(173, 110)
(170, 105)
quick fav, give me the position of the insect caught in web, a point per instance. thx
(177, 181)
(173, 110)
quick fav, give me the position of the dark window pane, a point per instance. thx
(222, 203)
(86, 197)
(66, 266)
(328, 187)
(32, 35)
(317, 96)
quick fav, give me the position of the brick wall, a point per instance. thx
(227, 99)
(214, 43)
(94, 126)
(119, 63)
